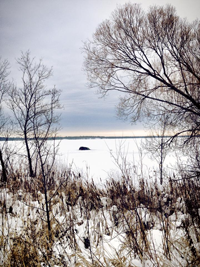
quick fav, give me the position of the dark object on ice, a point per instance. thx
(83, 148)
(86, 242)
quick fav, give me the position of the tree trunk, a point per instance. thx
(32, 174)
(4, 174)
(161, 161)
(46, 197)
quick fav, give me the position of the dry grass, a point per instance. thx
(113, 226)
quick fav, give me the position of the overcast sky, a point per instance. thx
(55, 30)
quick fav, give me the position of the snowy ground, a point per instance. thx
(97, 231)
(121, 226)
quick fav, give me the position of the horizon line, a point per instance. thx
(91, 137)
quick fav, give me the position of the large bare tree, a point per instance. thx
(34, 106)
(154, 59)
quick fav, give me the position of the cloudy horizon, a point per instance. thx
(55, 31)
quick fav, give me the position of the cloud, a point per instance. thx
(55, 31)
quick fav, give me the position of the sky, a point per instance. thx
(54, 31)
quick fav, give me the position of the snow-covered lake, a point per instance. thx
(103, 157)
(106, 157)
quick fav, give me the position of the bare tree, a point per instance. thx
(154, 59)
(4, 66)
(4, 85)
(158, 144)
(46, 153)
(34, 106)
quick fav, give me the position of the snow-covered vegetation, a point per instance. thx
(121, 223)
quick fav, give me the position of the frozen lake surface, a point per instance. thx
(107, 158)
(101, 160)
